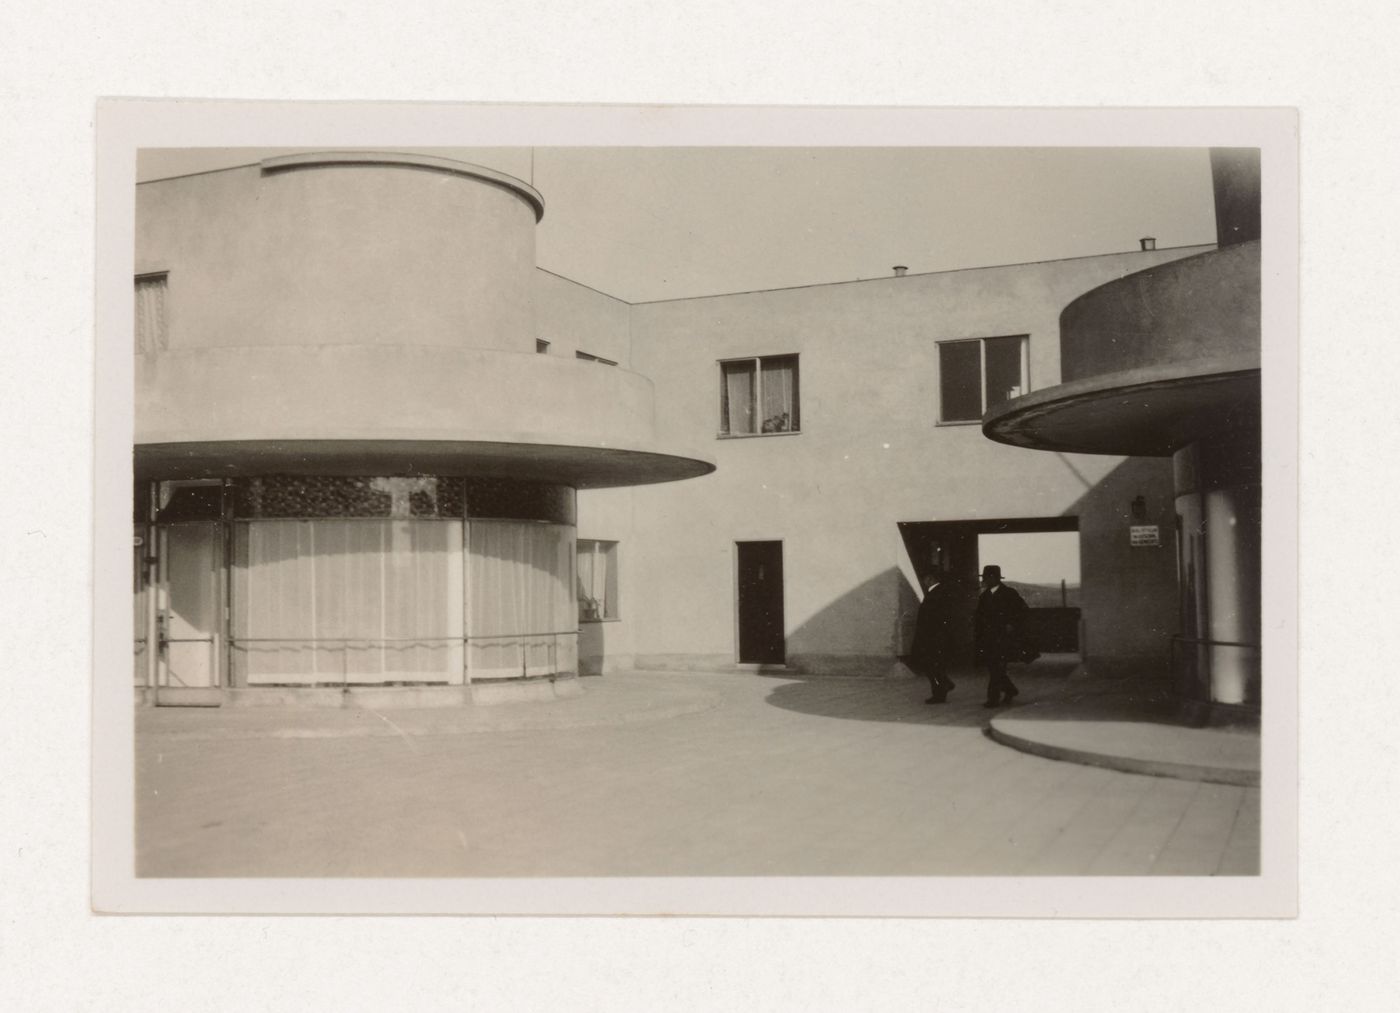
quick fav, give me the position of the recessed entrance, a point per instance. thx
(760, 594)
(1038, 556)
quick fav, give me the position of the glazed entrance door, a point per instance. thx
(761, 603)
(188, 634)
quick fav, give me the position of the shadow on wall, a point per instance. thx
(592, 647)
(1129, 592)
(870, 614)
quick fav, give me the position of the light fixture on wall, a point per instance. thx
(1138, 508)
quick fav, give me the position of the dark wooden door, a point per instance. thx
(761, 603)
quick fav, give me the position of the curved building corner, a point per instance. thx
(1166, 363)
(354, 473)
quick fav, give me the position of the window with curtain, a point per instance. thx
(321, 602)
(978, 374)
(597, 580)
(759, 396)
(150, 313)
(521, 615)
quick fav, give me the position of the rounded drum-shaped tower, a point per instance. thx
(352, 468)
(1166, 362)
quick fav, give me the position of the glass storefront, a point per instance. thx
(366, 581)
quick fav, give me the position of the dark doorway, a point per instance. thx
(952, 550)
(761, 603)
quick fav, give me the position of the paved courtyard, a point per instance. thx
(662, 774)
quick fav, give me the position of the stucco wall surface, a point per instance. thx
(380, 392)
(575, 318)
(340, 254)
(869, 456)
(1197, 313)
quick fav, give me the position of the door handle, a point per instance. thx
(162, 632)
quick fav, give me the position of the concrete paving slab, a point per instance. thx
(1118, 725)
(658, 774)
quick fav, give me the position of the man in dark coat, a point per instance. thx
(998, 633)
(929, 654)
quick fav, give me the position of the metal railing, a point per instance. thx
(369, 643)
(1178, 669)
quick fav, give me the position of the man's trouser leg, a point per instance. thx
(996, 680)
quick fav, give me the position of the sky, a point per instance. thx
(1042, 557)
(661, 223)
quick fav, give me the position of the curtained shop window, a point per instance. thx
(150, 313)
(356, 601)
(759, 396)
(521, 613)
(597, 580)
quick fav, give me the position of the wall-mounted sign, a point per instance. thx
(1145, 535)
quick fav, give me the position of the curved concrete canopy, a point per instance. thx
(580, 467)
(394, 410)
(1141, 412)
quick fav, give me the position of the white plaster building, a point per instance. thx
(378, 447)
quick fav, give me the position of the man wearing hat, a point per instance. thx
(998, 628)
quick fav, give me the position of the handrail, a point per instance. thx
(394, 640)
(346, 642)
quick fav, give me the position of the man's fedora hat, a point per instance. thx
(991, 571)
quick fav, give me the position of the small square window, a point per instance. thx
(759, 396)
(541, 346)
(977, 374)
(597, 580)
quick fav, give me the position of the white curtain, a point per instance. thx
(522, 613)
(597, 578)
(586, 552)
(779, 412)
(738, 397)
(359, 601)
(150, 314)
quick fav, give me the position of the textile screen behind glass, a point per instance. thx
(364, 601)
(522, 614)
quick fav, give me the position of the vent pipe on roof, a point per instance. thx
(1148, 243)
(899, 270)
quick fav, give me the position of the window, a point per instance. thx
(586, 356)
(597, 580)
(541, 346)
(978, 374)
(150, 312)
(758, 396)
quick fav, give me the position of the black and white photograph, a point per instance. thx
(697, 513)
(630, 506)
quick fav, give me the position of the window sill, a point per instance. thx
(750, 436)
(962, 422)
(614, 619)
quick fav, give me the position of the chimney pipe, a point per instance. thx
(1234, 174)
(1148, 243)
(899, 270)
